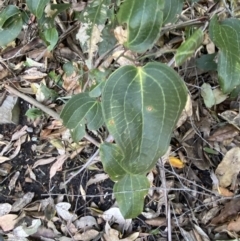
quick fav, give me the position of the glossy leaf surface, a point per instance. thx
(80, 109)
(37, 6)
(188, 48)
(226, 36)
(143, 20)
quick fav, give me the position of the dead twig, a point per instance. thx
(45, 109)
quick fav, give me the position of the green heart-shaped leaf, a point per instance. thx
(143, 19)
(141, 106)
(226, 36)
(79, 109)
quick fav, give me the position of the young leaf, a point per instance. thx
(226, 36)
(143, 19)
(141, 106)
(129, 193)
(171, 9)
(51, 36)
(188, 48)
(79, 109)
(37, 6)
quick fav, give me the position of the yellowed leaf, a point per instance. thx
(175, 162)
(234, 225)
(225, 192)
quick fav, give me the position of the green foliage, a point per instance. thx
(188, 48)
(51, 36)
(37, 6)
(10, 24)
(141, 106)
(143, 20)
(226, 36)
(81, 109)
(33, 113)
(171, 9)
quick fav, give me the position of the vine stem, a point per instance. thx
(45, 109)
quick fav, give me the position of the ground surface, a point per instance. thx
(42, 198)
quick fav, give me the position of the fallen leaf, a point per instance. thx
(62, 210)
(57, 166)
(230, 211)
(26, 231)
(234, 225)
(41, 162)
(22, 202)
(229, 167)
(97, 178)
(175, 162)
(223, 133)
(3, 159)
(13, 181)
(86, 222)
(158, 222)
(120, 34)
(187, 112)
(86, 236)
(5, 208)
(225, 192)
(7, 222)
(113, 214)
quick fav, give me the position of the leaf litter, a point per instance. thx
(201, 206)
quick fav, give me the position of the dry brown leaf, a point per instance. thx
(175, 162)
(157, 222)
(120, 34)
(229, 167)
(13, 181)
(225, 192)
(97, 178)
(7, 222)
(123, 58)
(41, 162)
(57, 166)
(230, 211)
(22, 202)
(187, 112)
(234, 225)
(224, 133)
(86, 236)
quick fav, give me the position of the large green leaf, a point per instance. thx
(171, 9)
(226, 36)
(37, 6)
(80, 109)
(7, 13)
(143, 19)
(188, 48)
(141, 106)
(129, 193)
(11, 29)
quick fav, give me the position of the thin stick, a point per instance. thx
(45, 109)
(32, 101)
